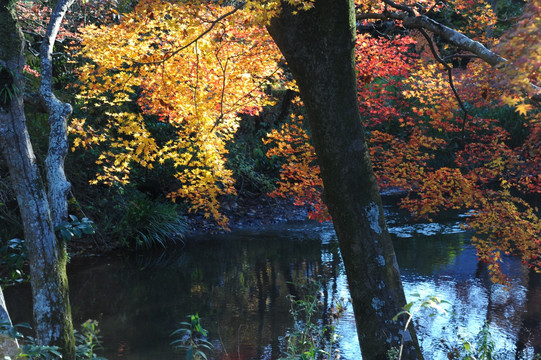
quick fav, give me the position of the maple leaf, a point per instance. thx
(523, 109)
(420, 145)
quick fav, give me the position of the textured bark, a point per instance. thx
(319, 48)
(8, 346)
(59, 113)
(47, 256)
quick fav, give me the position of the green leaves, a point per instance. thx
(8, 88)
(74, 228)
(428, 302)
(192, 339)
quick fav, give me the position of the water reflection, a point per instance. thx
(239, 282)
(465, 283)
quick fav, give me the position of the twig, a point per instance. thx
(213, 23)
(450, 76)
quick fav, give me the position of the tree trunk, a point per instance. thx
(319, 47)
(47, 256)
(59, 113)
(9, 348)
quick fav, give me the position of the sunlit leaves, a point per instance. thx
(300, 174)
(193, 66)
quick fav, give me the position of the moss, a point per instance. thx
(11, 37)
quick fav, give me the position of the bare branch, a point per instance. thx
(47, 45)
(456, 38)
(405, 8)
(452, 36)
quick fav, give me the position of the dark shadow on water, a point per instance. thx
(238, 283)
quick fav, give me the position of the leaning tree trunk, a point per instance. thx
(47, 256)
(319, 47)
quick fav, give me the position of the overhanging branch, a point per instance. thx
(452, 36)
(449, 70)
(213, 23)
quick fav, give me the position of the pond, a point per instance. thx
(238, 283)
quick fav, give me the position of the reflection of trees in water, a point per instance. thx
(505, 306)
(255, 293)
(238, 285)
(530, 329)
(426, 254)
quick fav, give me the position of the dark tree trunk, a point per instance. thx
(47, 256)
(319, 48)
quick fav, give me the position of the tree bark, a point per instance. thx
(59, 113)
(8, 345)
(319, 47)
(47, 256)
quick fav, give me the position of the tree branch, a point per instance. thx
(452, 36)
(449, 70)
(457, 39)
(404, 8)
(58, 186)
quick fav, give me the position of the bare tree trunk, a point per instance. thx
(47, 256)
(8, 345)
(319, 48)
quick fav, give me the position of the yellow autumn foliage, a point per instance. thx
(192, 66)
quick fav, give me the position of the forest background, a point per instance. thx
(151, 143)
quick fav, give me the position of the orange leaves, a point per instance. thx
(441, 189)
(509, 225)
(485, 163)
(401, 163)
(475, 17)
(299, 175)
(381, 66)
(523, 109)
(521, 47)
(380, 57)
(191, 66)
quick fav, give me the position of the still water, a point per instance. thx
(238, 283)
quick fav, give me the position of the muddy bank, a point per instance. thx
(247, 212)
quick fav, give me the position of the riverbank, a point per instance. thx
(247, 212)
(243, 212)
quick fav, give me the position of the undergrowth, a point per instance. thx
(87, 342)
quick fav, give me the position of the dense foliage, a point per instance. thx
(452, 134)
